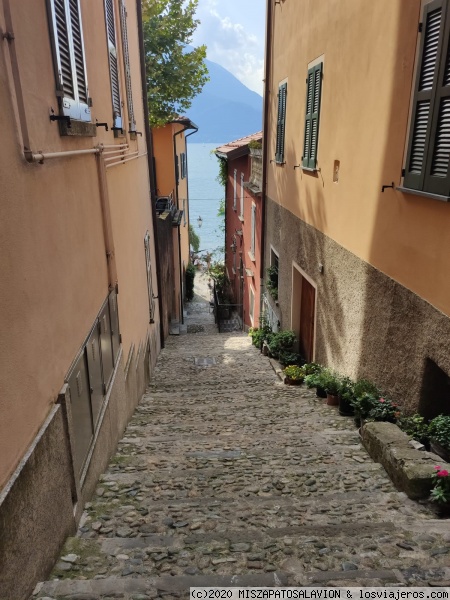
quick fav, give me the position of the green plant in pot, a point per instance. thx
(332, 385)
(365, 395)
(281, 341)
(441, 490)
(322, 380)
(286, 357)
(293, 375)
(346, 395)
(384, 410)
(416, 427)
(439, 429)
(313, 379)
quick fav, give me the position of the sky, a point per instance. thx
(233, 31)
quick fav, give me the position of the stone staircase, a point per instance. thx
(227, 477)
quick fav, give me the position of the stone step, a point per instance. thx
(151, 587)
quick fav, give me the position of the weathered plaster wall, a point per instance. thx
(367, 324)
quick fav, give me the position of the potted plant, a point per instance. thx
(346, 395)
(365, 394)
(384, 409)
(312, 378)
(331, 384)
(416, 427)
(441, 490)
(322, 380)
(293, 375)
(287, 357)
(281, 341)
(440, 436)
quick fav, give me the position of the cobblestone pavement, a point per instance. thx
(226, 476)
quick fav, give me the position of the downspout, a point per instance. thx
(9, 36)
(151, 172)
(265, 143)
(178, 206)
(187, 185)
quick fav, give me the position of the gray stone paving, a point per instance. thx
(227, 477)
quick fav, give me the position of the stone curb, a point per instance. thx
(410, 470)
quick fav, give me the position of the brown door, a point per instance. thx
(306, 337)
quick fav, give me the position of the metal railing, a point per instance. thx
(224, 313)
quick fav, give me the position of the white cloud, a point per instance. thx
(237, 44)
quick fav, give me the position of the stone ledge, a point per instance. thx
(410, 470)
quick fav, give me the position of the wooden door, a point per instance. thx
(307, 307)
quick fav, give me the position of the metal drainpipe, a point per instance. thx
(178, 206)
(265, 143)
(187, 184)
(9, 36)
(151, 172)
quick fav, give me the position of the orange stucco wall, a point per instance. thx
(52, 248)
(368, 51)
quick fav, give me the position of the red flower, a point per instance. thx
(437, 468)
(442, 473)
(382, 400)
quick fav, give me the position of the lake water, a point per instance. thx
(205, 194)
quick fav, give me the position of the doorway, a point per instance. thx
(303, 312)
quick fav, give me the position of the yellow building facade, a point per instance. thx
(80, 319)
(356, 171)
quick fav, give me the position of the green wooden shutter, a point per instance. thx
(281, 123)
(313, 96)
(425, 94)
(437, 173)
(113, 63)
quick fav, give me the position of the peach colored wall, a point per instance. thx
(183, 194)
(369, 52)
(52, 252)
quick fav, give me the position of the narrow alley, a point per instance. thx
(225, 476)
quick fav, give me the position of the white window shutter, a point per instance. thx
(113, 62)
(126, 58)
(69, 52)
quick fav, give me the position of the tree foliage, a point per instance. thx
(194, 239)
(174, 74)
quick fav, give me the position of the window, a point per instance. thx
(281, 123)
(253, 231)
(235, 190)
(241, 214)
(113, 63)
(252, 304)
(428, 153)
(313, 94)
(69, 59)
(126, 58)
(148, 264)
(183, 165)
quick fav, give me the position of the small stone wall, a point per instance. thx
(411, 470)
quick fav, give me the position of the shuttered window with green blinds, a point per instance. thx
(126, 60)
(69, 58)
(281, 123)
(313, 95)
(113, 62)
(428, 155)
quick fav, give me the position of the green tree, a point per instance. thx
(194, 239)
(174, 74)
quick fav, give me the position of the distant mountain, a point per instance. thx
(226, 109)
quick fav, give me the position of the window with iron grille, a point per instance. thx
(126, 59)
(313, 96)
(428, 152)
(69, 57)
(281, 123)
(148, 266)
(113, 62)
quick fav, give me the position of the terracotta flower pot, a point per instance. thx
(332, 400)
(289, 381)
